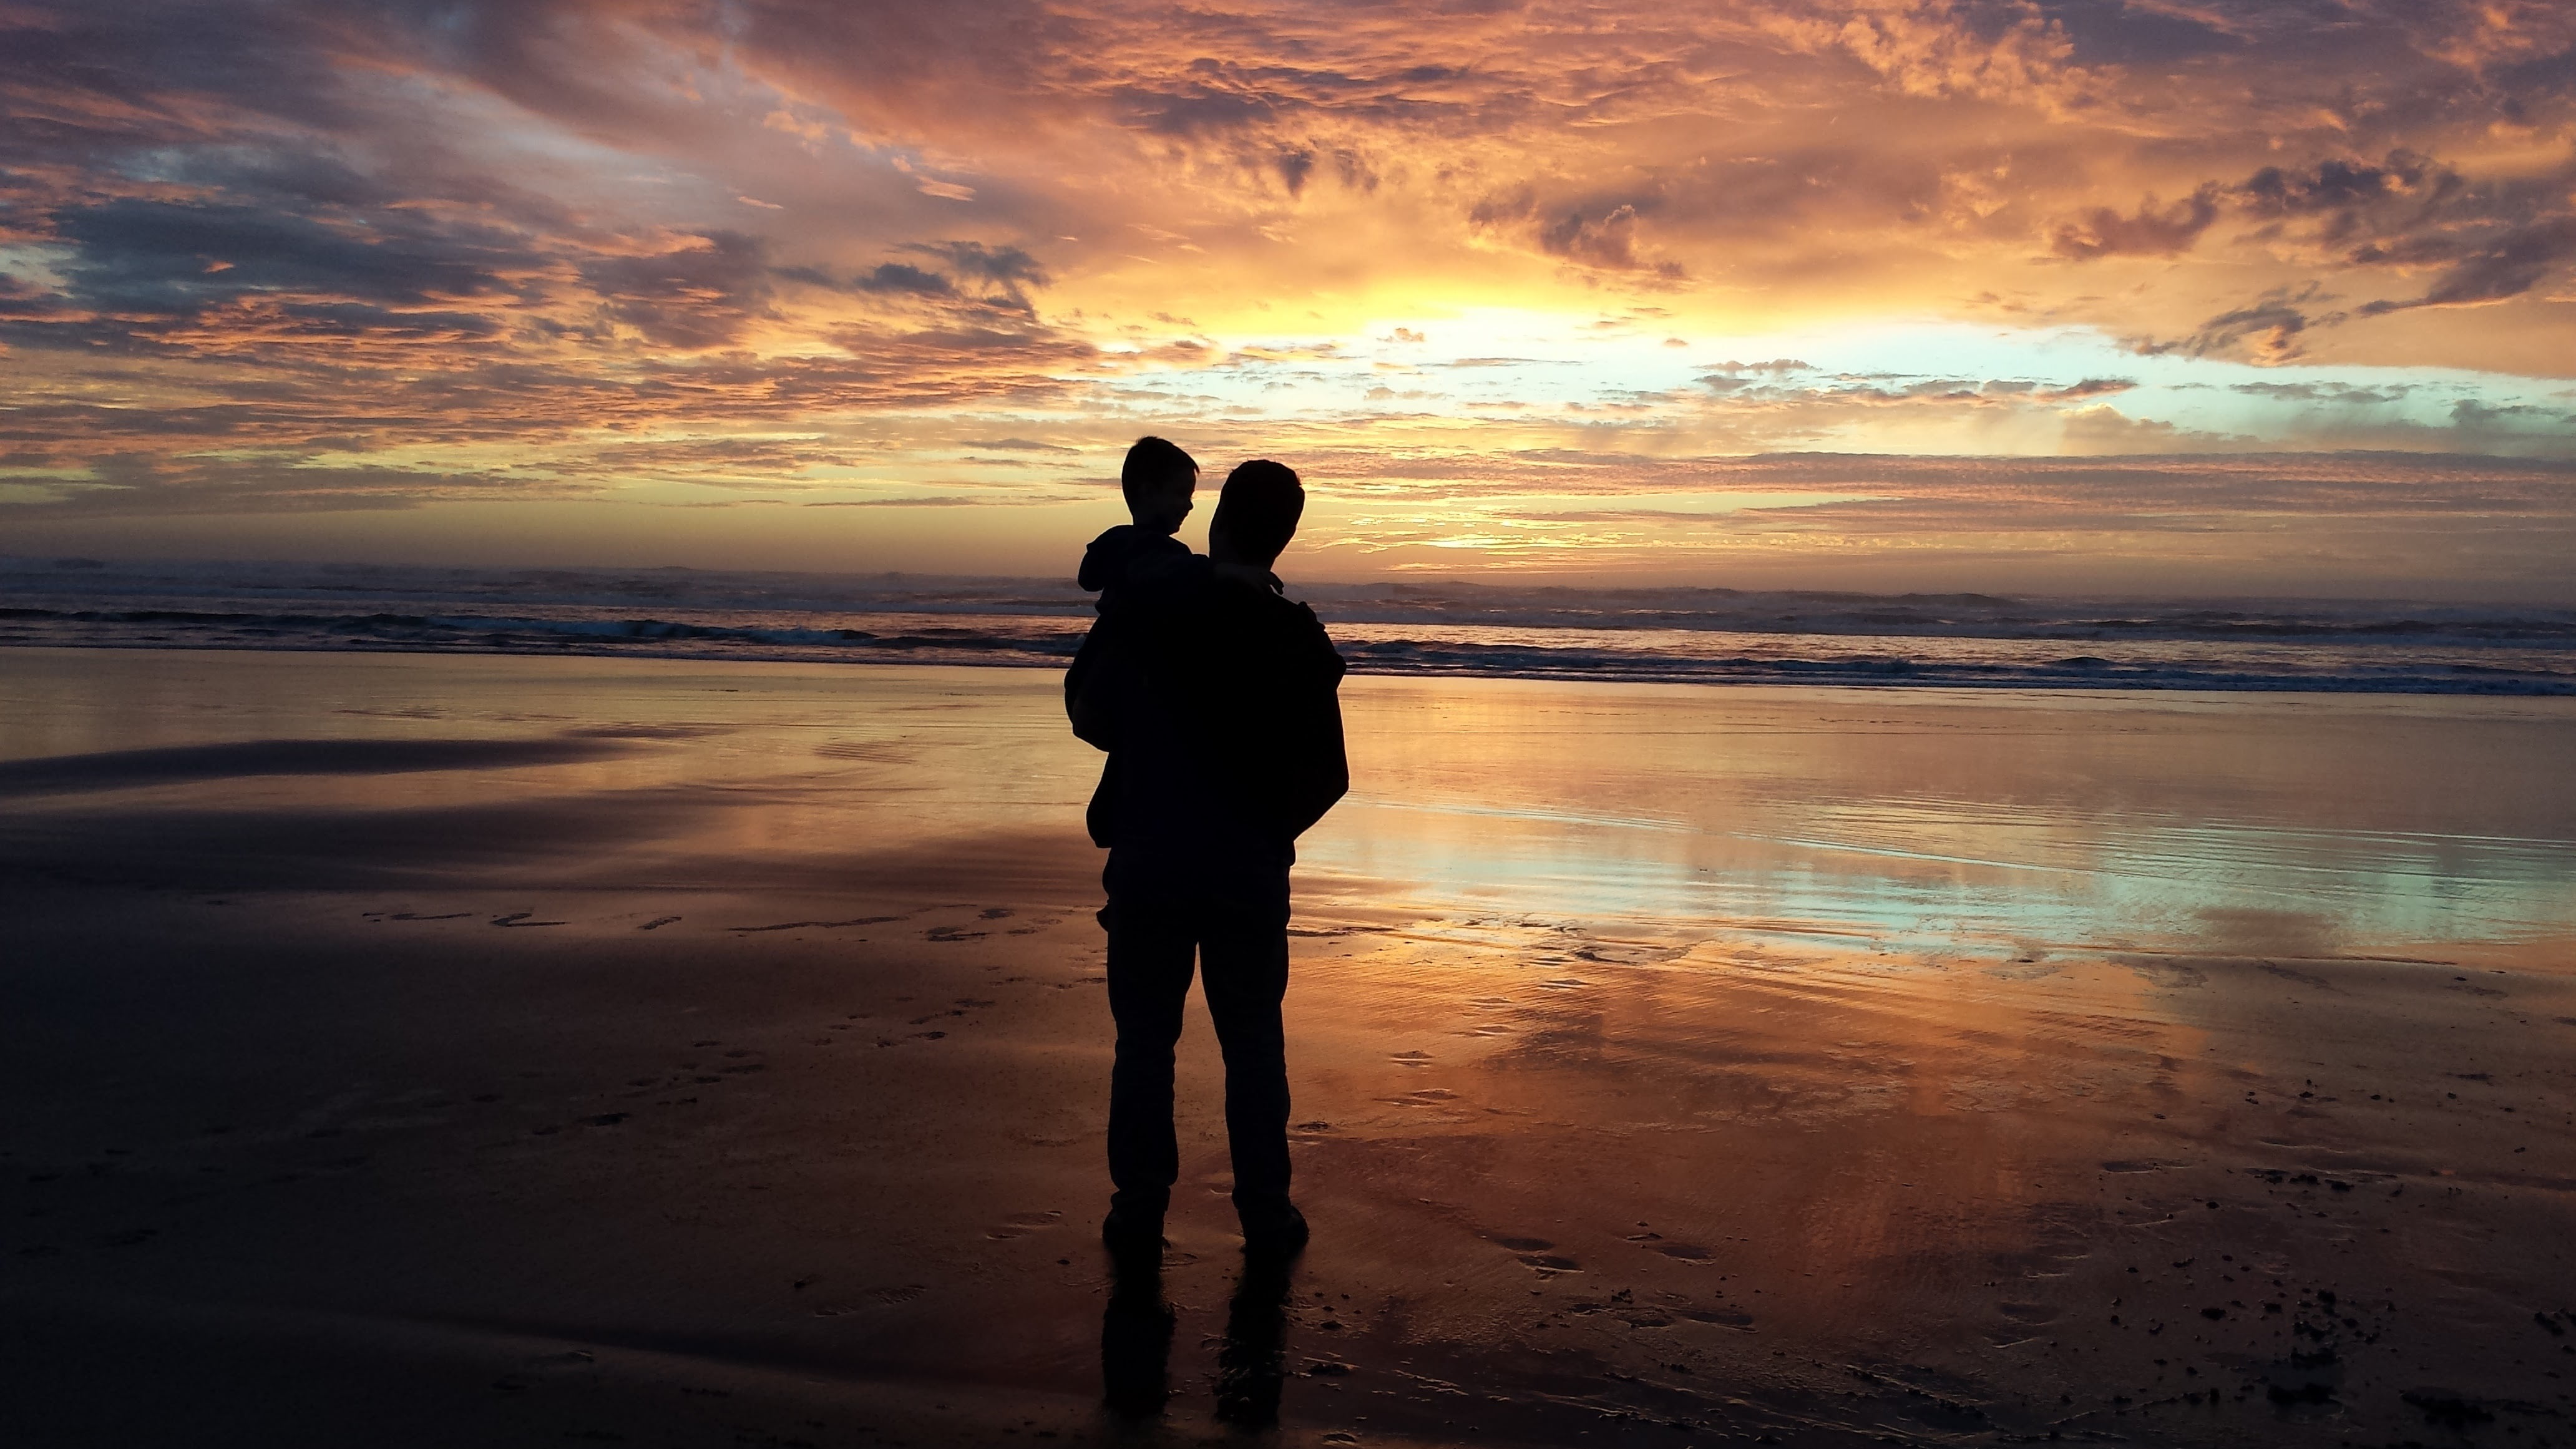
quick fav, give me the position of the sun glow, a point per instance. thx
(1858, 293)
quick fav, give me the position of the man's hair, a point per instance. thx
(1153, 465)
(1259, 509)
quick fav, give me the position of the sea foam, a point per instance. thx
(1701, 635)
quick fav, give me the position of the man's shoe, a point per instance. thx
(1272, 1229)
(1132, 1236)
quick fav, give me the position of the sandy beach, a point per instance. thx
(445, 1050)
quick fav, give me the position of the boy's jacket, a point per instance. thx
(1107, 563)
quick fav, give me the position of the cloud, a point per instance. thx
(1599, 232)
(2119, 32)
(964, 271)
(2495, 269)
(549, 244)
(2153, 230)
(2088, 388)
(1004, 267)
(890, 277)
(134, 253)
(2489, 240)
(2347, 188)
(701, 293)
(2269, 331)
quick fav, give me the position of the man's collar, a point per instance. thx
(1247, 575)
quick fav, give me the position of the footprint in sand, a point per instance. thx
(520, 918)
(1411, 1059)
(952, 933)
(1722, 1317)
(1533, 1252)
(810, 925)
(1020, 1225)
(658, 923)
(874, 1298)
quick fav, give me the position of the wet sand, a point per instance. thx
(438, 1051)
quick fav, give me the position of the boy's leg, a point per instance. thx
(1245, 974)
(1151, 944)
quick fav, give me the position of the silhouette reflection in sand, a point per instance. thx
(1136, 1342)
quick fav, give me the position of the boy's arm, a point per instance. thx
(1095, 685)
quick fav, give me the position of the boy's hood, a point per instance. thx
(1107, 557)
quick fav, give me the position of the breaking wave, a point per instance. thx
(1645, 635)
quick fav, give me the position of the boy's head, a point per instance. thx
(1158, 479)
(1256, 514)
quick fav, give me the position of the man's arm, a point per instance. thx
(1319, 774)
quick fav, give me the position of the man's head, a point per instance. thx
(1256, 514)
(1158, 479)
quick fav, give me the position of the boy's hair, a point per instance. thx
(1259, 508)
(1152, 465)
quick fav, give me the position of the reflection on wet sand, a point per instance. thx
(1970, 821)
(1136, 1344)
(709, 1050)
(1136, 1341)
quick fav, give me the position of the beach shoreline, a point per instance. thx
(490, 1050)
(1421, 628)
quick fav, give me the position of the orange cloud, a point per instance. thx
(311, 257)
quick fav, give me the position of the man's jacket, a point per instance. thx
(1217, 701)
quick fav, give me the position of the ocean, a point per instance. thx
(1446, 628)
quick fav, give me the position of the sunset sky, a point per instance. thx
(2182, 296)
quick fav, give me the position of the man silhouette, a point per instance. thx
(1215, 697)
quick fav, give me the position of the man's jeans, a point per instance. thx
(1234, 917)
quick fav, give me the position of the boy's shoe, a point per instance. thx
(1273, 1229)
(1132, 1235)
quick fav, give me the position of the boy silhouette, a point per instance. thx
(1158, 479)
